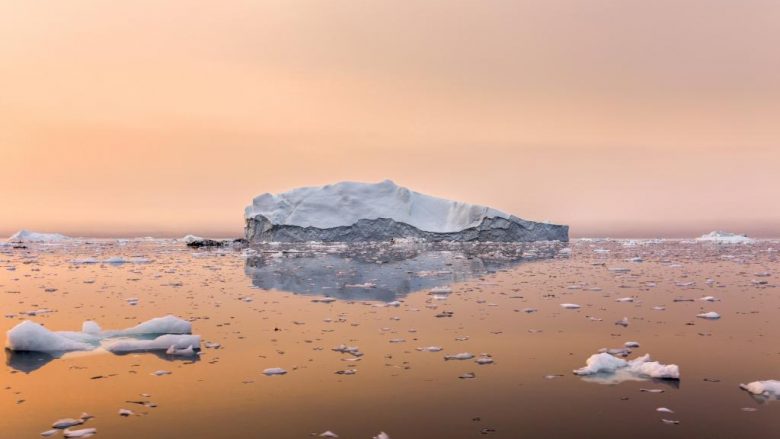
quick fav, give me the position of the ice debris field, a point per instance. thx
(648, 338)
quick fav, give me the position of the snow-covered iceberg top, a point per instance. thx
(768, 388)
(725, 238)
(344, 204)
(28, 236)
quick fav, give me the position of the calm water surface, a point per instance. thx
(259, 308)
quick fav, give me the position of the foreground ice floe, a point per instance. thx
(173, 334)
(639, 367)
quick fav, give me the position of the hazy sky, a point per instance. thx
(620, 118)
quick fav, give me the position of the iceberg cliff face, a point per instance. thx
(353, 212)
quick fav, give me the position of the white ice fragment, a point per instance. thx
(641, 366)
(770, 388)
(625, 300)
(708, 299)
(430, 349)
(189, 351)
(382, 435)
(274, 371)
(570, 306)
(51, 432)
(459, 356)
(440, 290)
(712, 315)
(329, 434)
(160, 325)
(664, 410)
(160, 373)
(125, 412)
(725, 238)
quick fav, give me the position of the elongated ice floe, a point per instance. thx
(173, 332)
(605, 363)
(768, 388)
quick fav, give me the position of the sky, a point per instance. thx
(619, 118)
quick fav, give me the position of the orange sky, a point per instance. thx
(620, 118)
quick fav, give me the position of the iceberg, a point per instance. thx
(28, 236)
(31, 337)
(361, 212)
(724, 238)
(173, 344)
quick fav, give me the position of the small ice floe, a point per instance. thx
(605, 363)
(344, 349)
(328, 433)
(709, 299)
(346, 372)
(670, 422)
(394, 303)
(570, 306)
(160, 373)
(323, 300)
(274, 371)
(51, 432)
(84, 261)
(484, 359)
(659, 308)
(84, 432)
(712, 315)
(622, 322)
(125, 412)
(440, 290)
(651, 390)
(768, 388)
(459, 356)
(467, 376)
(631, 344)
(625, 300)
(132, 301)
(66, 423)
(430, 349)
(382, 435)
(664, 410)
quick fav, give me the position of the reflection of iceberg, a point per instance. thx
(29, 361)
(382, 271)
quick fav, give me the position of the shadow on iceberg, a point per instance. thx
(382, 271)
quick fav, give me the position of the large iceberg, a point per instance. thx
(359, 212)
(28, 236)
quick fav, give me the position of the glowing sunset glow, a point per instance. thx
(617, 118)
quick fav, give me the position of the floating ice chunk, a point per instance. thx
(769, 388)
(625, 300)
(160, 325)
(664, 410)
(125, 412)
(28, 236)
(708, 299)
(48, 433)
(460, 356)
(712, 315)
(162, 343)
(324, 300)
(160, 373)
(382, 435)
(329, 434)
(484, 359)
(642, 366)
(670, 421)
(631, 344)
(622, 322)
(66, 422)
(30, 336)
(84, 432)
(87, 260)
(725, 238)
(430, 349)
(363, 285)
(274, 371)
(440, 290)
(570, 306)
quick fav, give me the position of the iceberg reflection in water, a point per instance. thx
(383, 271)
